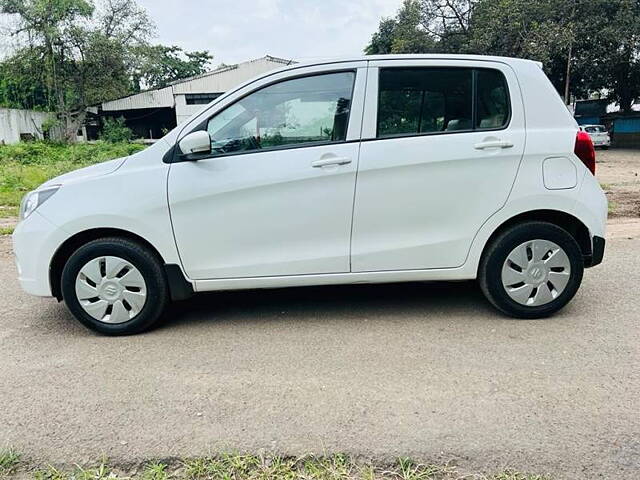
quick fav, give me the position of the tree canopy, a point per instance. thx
(75, 53)
(595, 44)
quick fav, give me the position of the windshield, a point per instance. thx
(595, 129)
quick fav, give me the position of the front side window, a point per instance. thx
(427, 100)
(293, 112)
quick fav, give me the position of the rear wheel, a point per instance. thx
(114, 286)
(531, 270)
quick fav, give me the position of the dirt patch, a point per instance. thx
(618, 172)
(623, 227)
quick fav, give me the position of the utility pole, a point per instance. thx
(568, 76)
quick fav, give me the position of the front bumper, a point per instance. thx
(34, 243)
(597, 252)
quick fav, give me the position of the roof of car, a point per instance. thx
(415, 56)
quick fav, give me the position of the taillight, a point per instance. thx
(584, 151)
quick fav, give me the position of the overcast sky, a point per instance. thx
(238, 30)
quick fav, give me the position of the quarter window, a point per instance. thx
(299, 111)
(492, 100)
(414, 101)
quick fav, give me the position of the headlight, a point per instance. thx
(33, 200)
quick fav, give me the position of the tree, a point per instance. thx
(584, 45)
(23, 83)
(402, 34)
(160, 65)
(447, 22)
(75, 54)
(543, 30)
(620, 60)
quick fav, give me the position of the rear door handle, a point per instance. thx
(493, 144)
(325, 162)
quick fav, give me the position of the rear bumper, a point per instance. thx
(597, 252)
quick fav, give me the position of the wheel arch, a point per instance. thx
(573, 225)
(74, 242)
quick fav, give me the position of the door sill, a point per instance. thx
(459, 273)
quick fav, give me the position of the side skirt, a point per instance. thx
(445, 274)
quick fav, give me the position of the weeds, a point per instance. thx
(155, 471)
(258, 467)
(9, 460)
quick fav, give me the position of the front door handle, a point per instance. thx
(493, 144)
(325, 162)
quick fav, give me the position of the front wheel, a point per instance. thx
(531, 270)
(114, 286)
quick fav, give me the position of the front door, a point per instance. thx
(275, 197)
(439, 156)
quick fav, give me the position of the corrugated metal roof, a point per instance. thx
(219, 80)
(228, 77)
(150, 99)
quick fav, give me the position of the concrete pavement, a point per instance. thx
(426, 370)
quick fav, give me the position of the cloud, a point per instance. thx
(238, 30)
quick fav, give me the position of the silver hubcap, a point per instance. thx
(111, 289)
(536, 272)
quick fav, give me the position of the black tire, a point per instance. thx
(147, 264)
(490, 271)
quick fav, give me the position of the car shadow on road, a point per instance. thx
(424, 299)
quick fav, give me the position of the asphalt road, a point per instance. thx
(427, 370)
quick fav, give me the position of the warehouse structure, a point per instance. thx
(152, 113)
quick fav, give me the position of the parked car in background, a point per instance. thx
(364, 170)
(599, 135)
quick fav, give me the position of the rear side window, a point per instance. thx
(427, 100)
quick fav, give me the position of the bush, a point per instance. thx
(26, 165)
(115, 130)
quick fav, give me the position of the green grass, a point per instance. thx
(6, 230)
(9, 460)
(613, 206)
(260, 467)
(26, 165)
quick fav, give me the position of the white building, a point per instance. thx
(17, 125)
(149, 114)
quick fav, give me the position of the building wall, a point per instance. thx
(184, 111)
(14, 123)
(626, 132)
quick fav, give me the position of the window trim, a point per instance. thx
(474, 107)
(173, 156)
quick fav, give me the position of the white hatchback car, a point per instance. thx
(367, 170)
(599, 135)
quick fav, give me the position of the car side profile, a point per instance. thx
(367, 170)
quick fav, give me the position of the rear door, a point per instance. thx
(442, 142)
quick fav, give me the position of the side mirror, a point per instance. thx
(195, 144)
